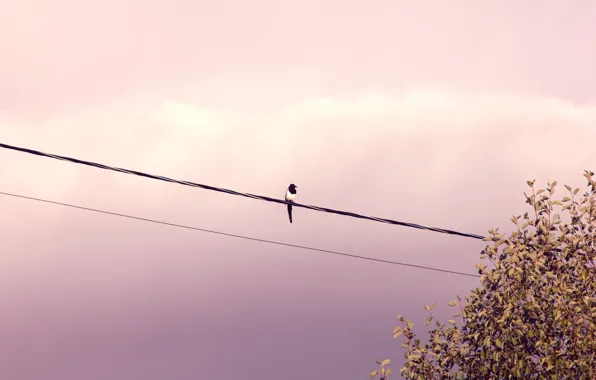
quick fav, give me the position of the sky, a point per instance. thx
(426, 112)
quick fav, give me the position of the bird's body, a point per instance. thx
(290, 196)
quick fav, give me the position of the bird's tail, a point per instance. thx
(290, 212)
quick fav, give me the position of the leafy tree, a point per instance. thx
(534, 316)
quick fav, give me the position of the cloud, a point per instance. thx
(187, 115)
(368, 142)
(530, 129)
(427, 105)
(436, 158)
(424, 155)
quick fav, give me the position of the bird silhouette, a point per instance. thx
(290, 196)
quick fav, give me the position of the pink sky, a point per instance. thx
(425, 112)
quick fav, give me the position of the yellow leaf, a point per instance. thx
(550, 365)
(543, 229)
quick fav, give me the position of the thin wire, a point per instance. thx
(248, 195)
(240, 236)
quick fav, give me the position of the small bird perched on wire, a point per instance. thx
(290, 196)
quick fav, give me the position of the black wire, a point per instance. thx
(221, 190)
(240, 236)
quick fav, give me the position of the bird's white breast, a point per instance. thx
(290, 196)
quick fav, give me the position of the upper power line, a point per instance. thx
(337, 253)
(248, 195)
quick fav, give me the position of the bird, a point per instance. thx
(290, 196)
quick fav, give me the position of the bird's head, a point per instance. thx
(292, 186)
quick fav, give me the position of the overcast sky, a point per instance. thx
(428, 112)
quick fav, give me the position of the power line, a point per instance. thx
(240, 236)
(222, 190)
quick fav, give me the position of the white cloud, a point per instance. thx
(188, 115)
(374, 143)
(428, 144)
(425, 105)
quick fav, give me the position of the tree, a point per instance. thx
(534, 315)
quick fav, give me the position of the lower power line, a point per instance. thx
(240, 236)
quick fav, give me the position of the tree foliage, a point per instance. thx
(534, 315)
